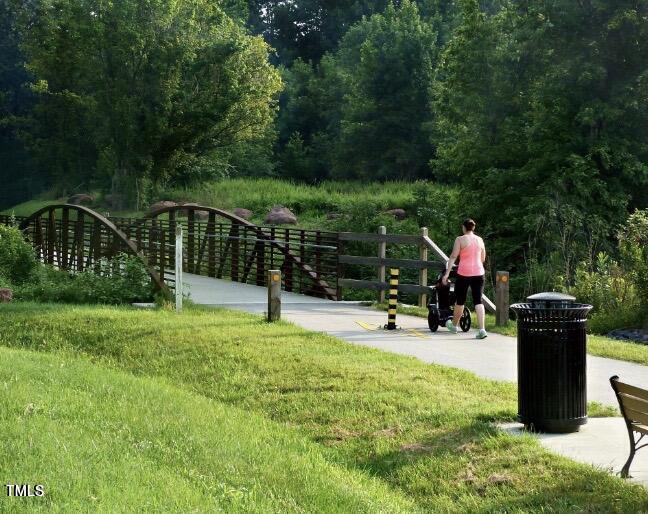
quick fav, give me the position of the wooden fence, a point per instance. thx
(420, 245)
(312, 262)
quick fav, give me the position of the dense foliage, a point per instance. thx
(132, 93)
(542, 110)
(17, 259)
(534, 111)
(122, 279)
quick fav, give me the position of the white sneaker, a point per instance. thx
(481, 334)
(450, 326)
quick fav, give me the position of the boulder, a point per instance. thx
(333, 215)
(630, 334)
(280, 215)
(399, 214)
(80, 199)
(242, 213)
(6, 295)
(198, 215)
(161, 205)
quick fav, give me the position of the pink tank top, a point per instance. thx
(470, 264)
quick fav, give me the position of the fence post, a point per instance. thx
(274, 295)
(178, 268)
(502, 298)
(393, 299)
(382, 253)
(423, 273)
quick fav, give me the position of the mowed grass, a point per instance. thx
(29, 207)
(101, 440)
(600, 346)
(425, 432)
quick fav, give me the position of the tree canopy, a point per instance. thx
(139, 91)
(536, 110)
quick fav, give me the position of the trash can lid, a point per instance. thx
(552, 298)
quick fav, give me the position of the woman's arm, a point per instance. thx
(483, 252)
(451, 260)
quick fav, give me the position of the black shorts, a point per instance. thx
(476, 285)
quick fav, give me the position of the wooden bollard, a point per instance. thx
(382, 253)
(423, 272)
(502, 298)
(274, 295)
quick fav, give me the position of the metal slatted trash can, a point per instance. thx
(551, 346)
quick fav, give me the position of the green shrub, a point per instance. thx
(633, 244)
(122, 279)
(604, 321)
(610, 289)
(17, 258)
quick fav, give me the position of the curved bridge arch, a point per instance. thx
(237, 223)
(79, 238)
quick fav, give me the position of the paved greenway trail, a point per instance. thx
(602, 442)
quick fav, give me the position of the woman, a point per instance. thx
(472, 253)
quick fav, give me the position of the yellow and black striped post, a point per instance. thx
(393, 299)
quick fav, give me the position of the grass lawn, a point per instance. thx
(102, 440)
(596, 345)
(29, 207)
(424, 433)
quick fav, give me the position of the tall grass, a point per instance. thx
(261, 194)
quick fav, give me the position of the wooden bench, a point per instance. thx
(633, 402)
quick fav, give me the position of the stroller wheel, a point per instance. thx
(433, 320)
(465, 321)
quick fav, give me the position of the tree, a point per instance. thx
(387, 63)
(141, 89)
(18, 175)
(542, 110)
(309, 29)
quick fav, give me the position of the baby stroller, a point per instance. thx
(441, 304)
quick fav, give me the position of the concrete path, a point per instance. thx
(602, 442)
(494, 357)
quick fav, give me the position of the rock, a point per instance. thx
(198, 215)
(280, 215)
(157, 206)
(80, 199)
(399, 214)
(6, 295)
(333, 215)
(242, 213)
(630, 334)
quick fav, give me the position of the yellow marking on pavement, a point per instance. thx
(367, 326)
(416, 333)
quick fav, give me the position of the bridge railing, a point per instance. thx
(238, 252)
(313, 262)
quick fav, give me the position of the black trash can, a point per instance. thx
(551, 346)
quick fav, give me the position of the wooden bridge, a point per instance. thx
(221, 245)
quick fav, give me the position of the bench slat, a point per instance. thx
(632, 390)
(640, 428)
(637, 417)
(636, 404)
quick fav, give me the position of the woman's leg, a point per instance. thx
(477, 290)
(481, 316)
(456, 314)
(461, 291)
